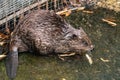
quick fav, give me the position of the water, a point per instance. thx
(106, 55)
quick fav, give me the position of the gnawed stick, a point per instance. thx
(104, 60)
(89, 59)
(2, 43)
(109, 22)
(87, 11)
(61, 56)
(2, 56)
(68, 10)
(65, 55)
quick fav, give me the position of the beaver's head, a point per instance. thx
(74, 40)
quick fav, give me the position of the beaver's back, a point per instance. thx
(39, 20)
(40, 28)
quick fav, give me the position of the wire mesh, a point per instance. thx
(9, 6)
(12, 9)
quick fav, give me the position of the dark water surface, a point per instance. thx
(106, 55)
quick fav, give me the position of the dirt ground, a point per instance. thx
(110, 4)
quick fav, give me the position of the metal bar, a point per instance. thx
(14, 16)
(21, 11)
(29, 6)
(46, 5)
(39, 5)
(55, 5)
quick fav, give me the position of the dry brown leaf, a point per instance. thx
(3, 36)
(7, 30)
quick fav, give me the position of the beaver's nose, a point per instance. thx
(92, 48)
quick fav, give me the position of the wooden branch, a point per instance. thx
(2, 56)
(89, 59)
(86, 11)
(109, 22)
(64, 11)
(65, 55)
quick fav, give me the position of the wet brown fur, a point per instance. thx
(45, 32)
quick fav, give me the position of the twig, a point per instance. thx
(86, 11)
(109, 22)
(65, 55)
(89, 59)
(2, 56)
(64, 11)
(104, 60)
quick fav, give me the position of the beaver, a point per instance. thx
(44, 32)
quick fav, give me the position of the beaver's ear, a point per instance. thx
(12, 62)
(82, 32)
(81, 29)
(71, 36)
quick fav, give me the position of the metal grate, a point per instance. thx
(12, 10)
(9, 6)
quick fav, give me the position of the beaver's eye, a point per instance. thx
(74, 36)
(71, 36)
(84, 43)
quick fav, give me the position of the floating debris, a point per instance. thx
(63, 79)
(3, 36)
(61, 56)
(67, 12)
(2, 56)
(2, 43)
(104, 60)
(89, 59)
(86, 11)
(65, 55)
(109, 22)
(112, 19)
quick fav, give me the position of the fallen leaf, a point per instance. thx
(3, 36)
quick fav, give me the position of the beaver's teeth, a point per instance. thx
(89, 58)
